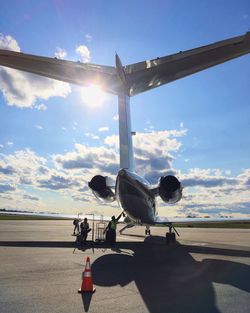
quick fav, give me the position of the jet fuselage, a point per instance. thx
(135, 197)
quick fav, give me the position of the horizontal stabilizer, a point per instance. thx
(83, 74)
(150, 74)
(131, 79)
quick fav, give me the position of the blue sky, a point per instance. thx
(54, 137)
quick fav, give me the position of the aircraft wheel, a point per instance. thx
(149, 232)
(168, 238)
(173, 237)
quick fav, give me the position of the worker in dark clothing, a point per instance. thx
(111, 229)
(84, 230)
(76, 224)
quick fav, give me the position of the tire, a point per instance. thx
(173, 237)
(168, 238)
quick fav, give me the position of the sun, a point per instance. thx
(92, 96)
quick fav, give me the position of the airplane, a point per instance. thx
(134, 194)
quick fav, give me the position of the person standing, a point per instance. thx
(76, 224)
(111, 229)
(84, 230)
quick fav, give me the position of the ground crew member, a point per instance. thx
(76, 224)
(84, 230)
(111, 229)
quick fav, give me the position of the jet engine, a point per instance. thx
(100, 188)
(170, 189)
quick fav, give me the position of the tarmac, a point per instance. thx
(207, 271)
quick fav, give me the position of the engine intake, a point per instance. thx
(170, 189)
(98, 185)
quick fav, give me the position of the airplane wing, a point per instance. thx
(134, 78)
(83, 74)
(150, 74)
(197, 220)
(56, 215)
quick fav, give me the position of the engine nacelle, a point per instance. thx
(170, 189)
(98, 185)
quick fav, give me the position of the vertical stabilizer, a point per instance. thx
(125, 136)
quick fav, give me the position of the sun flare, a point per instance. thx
(93, 96)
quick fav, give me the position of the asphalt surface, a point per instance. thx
(41, 267)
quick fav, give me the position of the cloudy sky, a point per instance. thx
(54, 137)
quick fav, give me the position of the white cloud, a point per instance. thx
(153, 151)
(84, 52)
(103, 129)
(8, 43)
(92, 136)
(116, 117)
(29, 197)
(22, 89)
(206, 191)
(39, 127)
(1, 146)
(112, 141)
(88, 37)
(24, 159)
(57, 182)
(10, 143)
(92, 160)
(60, 53)
(6, 188)
(150, 127)
(40, 107)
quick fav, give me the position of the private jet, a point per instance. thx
(134, 194)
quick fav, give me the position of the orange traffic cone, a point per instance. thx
(87, 282)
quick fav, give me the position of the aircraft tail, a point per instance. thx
(125, 134)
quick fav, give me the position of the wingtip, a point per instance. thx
(118, 62)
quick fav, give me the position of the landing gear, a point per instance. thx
(147, 231)
(170, 236)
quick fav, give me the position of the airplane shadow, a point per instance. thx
(169, 279)
(38, 244)
(152, 240)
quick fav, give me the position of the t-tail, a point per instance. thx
(125, 133)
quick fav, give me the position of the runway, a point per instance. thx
(207, 271)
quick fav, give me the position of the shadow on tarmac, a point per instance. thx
(168, 278)
(38, 244)
(154, 241)
(86, 300)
